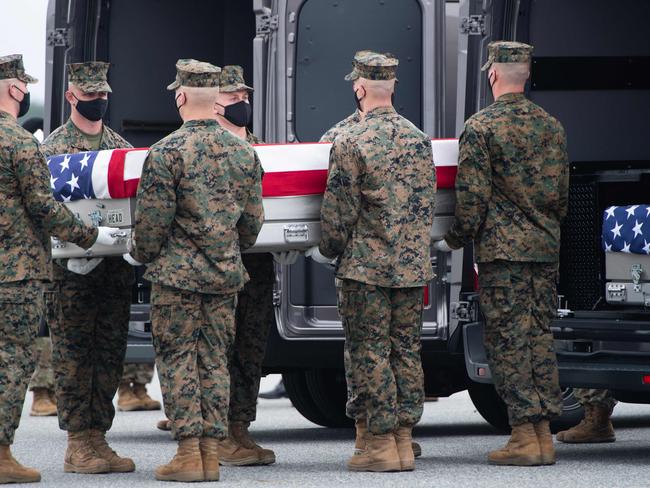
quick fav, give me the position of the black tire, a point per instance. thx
(329, 392)
(494, 411)
(296, 385)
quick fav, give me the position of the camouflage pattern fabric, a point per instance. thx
(29, 215)
(137, 373)
(512, 183)
(21, 306)
(253, 320)
(89, 334)
(12, 67)
(595, 398)
(193, 73)
(507, 52)
(254, 317)
(231, 79)
(382, 331)
(354, 408)
(192, 333)
(340, 127)
(89, 77)
(373, 66)
(199, 204)
(519, 302)
(378, 207)
(43, 376)
(90, 318)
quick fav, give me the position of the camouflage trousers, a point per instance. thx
(382, 334)
(519, 302)
(21, 308)
(89, 327)
(192, 334)
(254, 317)
(137, 373)
(595, 398)
(43, 376)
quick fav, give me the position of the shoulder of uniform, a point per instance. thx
(121, 142)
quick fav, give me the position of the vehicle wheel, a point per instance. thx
(491, 407)
(329, 391)
(296, 385)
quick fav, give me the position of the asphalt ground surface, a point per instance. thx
(454, 438)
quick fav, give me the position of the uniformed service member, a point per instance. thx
(511, 195)
(28, 217)
(89, 326)
(42, 383)
(376, 217)
(199, 204)
(596, 426)
(354, 407)
(255, 313)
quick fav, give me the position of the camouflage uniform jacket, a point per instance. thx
(512, 183)
(340, 127)
(378, 208)
(252, 138)
(199, 202)
(68, 139)
(29, 214)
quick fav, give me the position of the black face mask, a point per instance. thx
(23, 105)
(357, 101)
(93, 109)
(238, 114)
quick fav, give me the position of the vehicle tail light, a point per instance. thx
(646, 379)
(426, 296)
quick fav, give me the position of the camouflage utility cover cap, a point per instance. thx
(232, 79)
(507, 52)
(373, 66)
(197, 74)
(12, 67)
(89, 77)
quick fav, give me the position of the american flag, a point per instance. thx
(627, 229)
(111, 173)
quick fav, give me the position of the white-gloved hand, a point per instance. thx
(129, 259)
(110, 236)
(83, 266)
(442, 246)
(286, 258)
(315, 254)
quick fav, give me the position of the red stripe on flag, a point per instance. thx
(446, 176)
(117, 187)
(294, 183)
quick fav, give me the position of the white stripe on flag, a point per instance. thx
(293, 157)
(133, 162)
(100, 174)
(445, 152)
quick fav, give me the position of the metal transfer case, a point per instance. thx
(628, 279)
(119, 213)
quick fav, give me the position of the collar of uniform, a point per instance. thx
(510, 97)
(377, 112)
(201, 123)
(6, 115)
(80, 142)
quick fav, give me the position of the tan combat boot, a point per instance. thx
(232, 453)
(239, 431)
(361, 428)
(126, 399)
(164, 424)
(186, 465)
(380, 455)
(117, 464)
(209, 447)
(545, 439)
(522, 448)
(148, 403)
(11, 471)
(81, 457)
(42, 405)
(594, 428)
(403, 439)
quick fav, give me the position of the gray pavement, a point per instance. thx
(454, 439)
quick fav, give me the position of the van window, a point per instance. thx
(329, 33)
